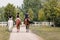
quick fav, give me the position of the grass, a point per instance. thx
(47, 33)
(4, 34)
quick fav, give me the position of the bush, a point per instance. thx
(57, 21)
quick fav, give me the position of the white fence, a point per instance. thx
(4, 24)
(43, 24)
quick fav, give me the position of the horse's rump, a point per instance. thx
(26, 22)
(18, 22)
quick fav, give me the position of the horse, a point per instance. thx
(18, 22)
(27, 23)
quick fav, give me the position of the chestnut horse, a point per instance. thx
(18, 22)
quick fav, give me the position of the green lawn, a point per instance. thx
(47, 33)
(4, 34)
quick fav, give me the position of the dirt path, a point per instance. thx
(23, 35)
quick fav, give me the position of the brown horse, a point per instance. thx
(18, 22)
(26, 22)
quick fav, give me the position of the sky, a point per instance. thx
(14, 2)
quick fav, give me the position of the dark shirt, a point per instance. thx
(26, 15)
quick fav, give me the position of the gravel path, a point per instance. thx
(23, 35)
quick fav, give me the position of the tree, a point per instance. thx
(21, 14)
(41, 15)
(2, 14)
(57, 18)
(35, 5)
(52, 11)
(49, 8)
(10, 10)
(31, 14)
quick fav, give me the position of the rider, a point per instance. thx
(18, 22)
(27, 23)
(10, 23)
(26, 15)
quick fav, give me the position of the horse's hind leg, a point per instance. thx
(18, 28)
(27, 28)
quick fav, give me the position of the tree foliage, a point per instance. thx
(10, 10)
(31, 14)
(35, 5)
(41, 15)
(21, 14)
(52, 11)
(2, 14)
(49, 11)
